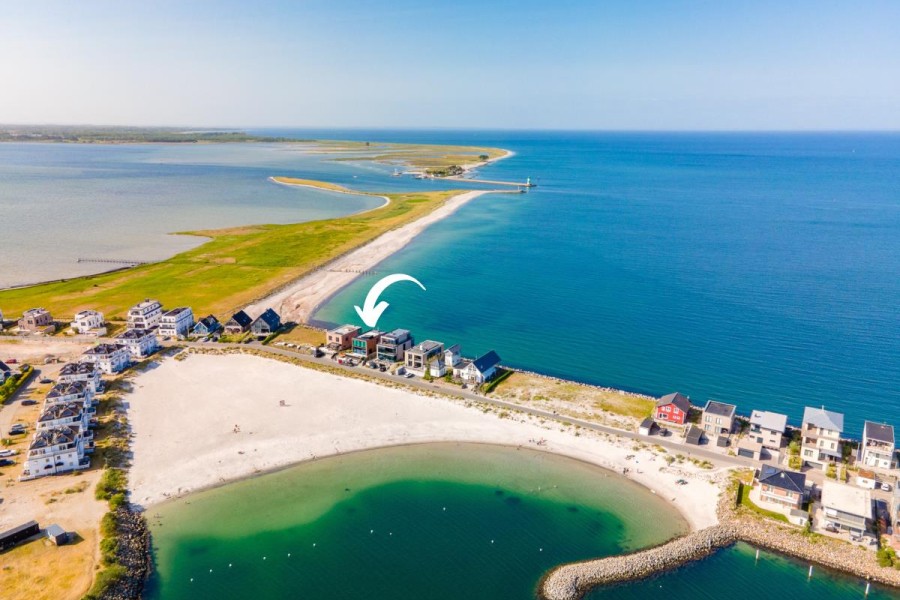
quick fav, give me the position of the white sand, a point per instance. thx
(298, 301)
(183, 415)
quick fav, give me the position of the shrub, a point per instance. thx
(112, 482)
(104, 580)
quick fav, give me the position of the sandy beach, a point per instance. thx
(210, 419)
(299, 300)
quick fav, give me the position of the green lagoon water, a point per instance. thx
(434, 521)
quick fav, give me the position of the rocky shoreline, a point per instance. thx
(573, 581)
(133, 553)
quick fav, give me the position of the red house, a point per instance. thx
(673, 408)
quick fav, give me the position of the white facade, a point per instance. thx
(140, 343)
(55, 450)
(62, 393)
(89, 321)
(877, 448)
(821, 436)
(85, 372)
(145, 315)
(109, 358)
(767, 428)
(64, 415)
(176, 322)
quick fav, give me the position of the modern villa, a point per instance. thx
(419, 356)
(877, 447)
(144, 315)
(821, 436)
(366, 345)
(109, 358)
(341, 338)
(718, 418)
(846, 508)
(392, 346)
(176, 322)
(767, 428)
(89, 322)
(140, 343)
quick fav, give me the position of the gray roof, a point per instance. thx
(372, 333)
(397, 334)
(486, 361)
(4, 368)
(694, 435)
(103, 349)
(823, 419)
(676, 398)
(648, 423)
(427, 346)
(55, 436)
(134, 334)
(61, 411)
(721, 409)
(84, 368)
(782, 478)
(769, 420)
(879, 432)
(270, 318)
(66, 389)
(176, 311)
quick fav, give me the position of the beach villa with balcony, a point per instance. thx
(877, 447)
(821, 436)
(421, 355)
(206, 326)
(781, 488)
(64, 414)
(108, 358)
(64, 393)
(238, 323)
(392, 346)
(176, 322)
(89, 322)
(144, 315)
(365, 346)
(55, 450)
(482, 369)
(140, 343)
(767, 428)
(266, 324)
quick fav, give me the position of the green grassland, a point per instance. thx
(238, 265)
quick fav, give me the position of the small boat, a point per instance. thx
(396, 173)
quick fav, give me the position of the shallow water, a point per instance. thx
(432, 521)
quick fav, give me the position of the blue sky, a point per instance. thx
(551, 64)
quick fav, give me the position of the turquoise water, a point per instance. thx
(442, 521)
(735, 574)
(762, 270)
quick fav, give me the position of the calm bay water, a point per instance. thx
(436, 521)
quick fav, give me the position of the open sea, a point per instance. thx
(758, 269)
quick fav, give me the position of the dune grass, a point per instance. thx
(238, 265)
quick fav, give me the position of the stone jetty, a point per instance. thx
(133, 553)
(573, 581)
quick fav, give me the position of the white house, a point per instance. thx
(421, 356)
(144, 315)
(64, 414)
(55, 450)
(877, 448)
(139, 342)
(109, 358)
(483, 368)
(821, 436)
(176, 322)
(89, 321)
(767, 428)
(77, 391)
(85, 372)
(846, 508)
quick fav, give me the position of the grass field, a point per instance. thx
(421, 156)
(237, 266)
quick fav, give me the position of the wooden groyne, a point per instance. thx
(114, 261)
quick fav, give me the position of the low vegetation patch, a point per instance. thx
(14, 383)
(746, 502)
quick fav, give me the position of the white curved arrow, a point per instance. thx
(371, 312)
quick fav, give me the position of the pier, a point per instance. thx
(526, 184)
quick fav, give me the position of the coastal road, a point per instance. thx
(417, 383)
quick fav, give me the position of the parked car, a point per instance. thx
(29, 402)
(885, 486)
(45, 381)
(409, 375)
(17, 430)
(5, 462)
(7, 453)
(382, 368)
